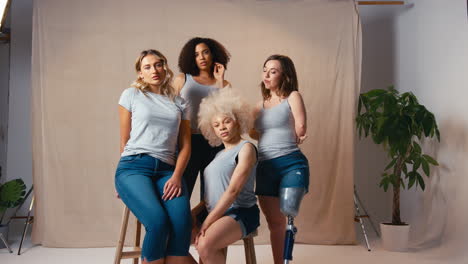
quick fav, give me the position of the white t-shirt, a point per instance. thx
(155, 124)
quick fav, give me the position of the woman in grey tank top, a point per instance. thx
(280, 126)
(202, 62)
(229, 179)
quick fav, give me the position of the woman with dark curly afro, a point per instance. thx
(202, 63)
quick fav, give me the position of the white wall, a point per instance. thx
(432, 61)
(424, 49)
(4, 84)
(19, 159)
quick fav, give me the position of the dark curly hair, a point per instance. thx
(187, 62)
(289, 78)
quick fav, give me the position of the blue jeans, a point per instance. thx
(140, 180)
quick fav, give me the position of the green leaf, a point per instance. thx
(380, 124)
(402, 182)
(428, 124)
(391, 164)
(11, 193)
(404, 169)
(384, 184)
(375, 92)
(421, 181)
(412, 179)
(431, 160)
(393, 179)
(417, 147)
(359, 105)
(417, 163)
(425, 167)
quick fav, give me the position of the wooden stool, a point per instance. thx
(136, 252)
(249, 246)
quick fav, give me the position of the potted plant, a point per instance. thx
(398, 122)
(11, 195)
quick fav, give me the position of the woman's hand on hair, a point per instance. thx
(218, 73)
(172, 189)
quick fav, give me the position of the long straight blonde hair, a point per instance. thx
(166, 86)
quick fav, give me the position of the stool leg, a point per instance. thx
(137, 239)
(246, 250)
(123, 231)
(253, 257)
(249, 249)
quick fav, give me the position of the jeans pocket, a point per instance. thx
(129, 158)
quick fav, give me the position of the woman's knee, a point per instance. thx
(181, 225)
(205, 247)
(276, 222)
(155, 222)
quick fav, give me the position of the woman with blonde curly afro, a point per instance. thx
(231, 206)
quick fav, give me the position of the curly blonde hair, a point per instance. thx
(226, 102)
(166, 86)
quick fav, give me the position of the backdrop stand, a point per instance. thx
(358, 218)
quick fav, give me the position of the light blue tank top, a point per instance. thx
(277, 133)
(217, 176)
(193, 93)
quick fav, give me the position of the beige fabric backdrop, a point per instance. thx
(83, 55)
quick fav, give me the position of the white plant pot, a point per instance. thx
(395, 237)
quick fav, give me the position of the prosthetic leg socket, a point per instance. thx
(290, 201)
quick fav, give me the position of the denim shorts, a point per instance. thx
(291, 170)
(248, 218)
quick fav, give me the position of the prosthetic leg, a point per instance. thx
(290, 201)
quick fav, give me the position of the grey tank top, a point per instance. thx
(277, 133)
(217, 176)
(193, 93)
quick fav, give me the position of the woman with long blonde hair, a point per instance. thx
(155, 149)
